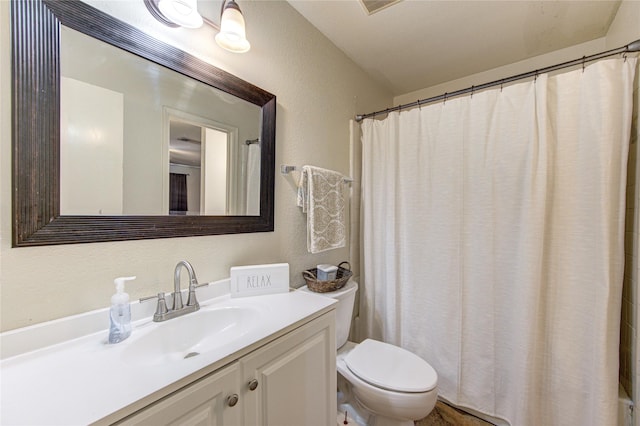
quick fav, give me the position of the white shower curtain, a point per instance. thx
(493, 230)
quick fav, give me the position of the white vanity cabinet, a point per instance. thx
(293, 378)
(288, 381)
(212, 400)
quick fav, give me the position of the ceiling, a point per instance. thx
(185, 143)
(414, 44)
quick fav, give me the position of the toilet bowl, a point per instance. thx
(379, 384)
(388, 381)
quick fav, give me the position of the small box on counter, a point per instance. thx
(327, 272)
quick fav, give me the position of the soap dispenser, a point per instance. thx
(120, 313)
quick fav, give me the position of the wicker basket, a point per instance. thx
(342, 276)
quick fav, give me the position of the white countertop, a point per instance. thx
(83, 380)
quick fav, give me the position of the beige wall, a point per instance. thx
(558, 56)
(318, 90)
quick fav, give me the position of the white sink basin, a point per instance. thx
(191, 335)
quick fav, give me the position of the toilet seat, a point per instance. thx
(390, 367)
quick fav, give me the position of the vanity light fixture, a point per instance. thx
(232, 35)
(175, 13)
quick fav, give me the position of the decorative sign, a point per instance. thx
(254, 280)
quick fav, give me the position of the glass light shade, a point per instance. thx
(232, 35)
(182, 12)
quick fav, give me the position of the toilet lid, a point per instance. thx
(391, 367)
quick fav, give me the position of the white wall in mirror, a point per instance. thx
(214, 190)
(91, 148)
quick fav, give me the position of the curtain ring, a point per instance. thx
(583, 62)
(445, 98)
(535, 77)
(472, 89)
(501, 84)
(419, 105)
(624, 56)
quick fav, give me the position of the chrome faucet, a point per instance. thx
(193, 283)
(162, 312)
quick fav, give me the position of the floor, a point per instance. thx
(446, 415)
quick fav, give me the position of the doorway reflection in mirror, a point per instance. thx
(210, 173)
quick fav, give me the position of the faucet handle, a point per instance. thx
(192, 300)
(161, 307)
(197, 285)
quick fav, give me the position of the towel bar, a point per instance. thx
(286, 169)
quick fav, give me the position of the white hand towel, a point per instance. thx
(321, 196)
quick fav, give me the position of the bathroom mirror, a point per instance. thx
(236, 197)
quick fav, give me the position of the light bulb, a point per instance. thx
(232, 35)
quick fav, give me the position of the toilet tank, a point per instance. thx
(346, 297)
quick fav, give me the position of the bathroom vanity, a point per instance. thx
(264, 360)
(286, 381)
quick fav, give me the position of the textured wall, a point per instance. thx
(624, 29)
(318, 90)
(628, 318)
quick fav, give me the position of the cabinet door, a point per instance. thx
(204, 403)
(296, 378)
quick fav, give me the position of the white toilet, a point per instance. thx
(379, 384)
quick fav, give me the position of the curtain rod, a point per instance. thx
(631, 47)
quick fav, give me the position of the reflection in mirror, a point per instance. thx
(122, 119)
(185, 158)
(210, 172)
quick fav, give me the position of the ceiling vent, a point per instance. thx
(373, 6)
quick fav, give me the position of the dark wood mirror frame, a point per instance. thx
(35, 40)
